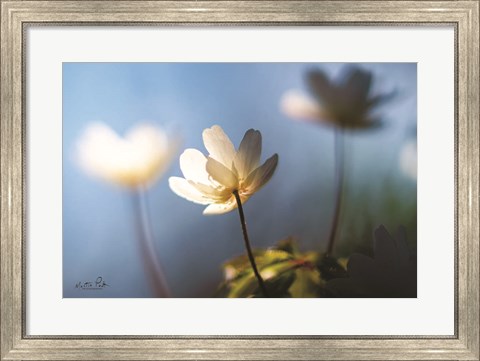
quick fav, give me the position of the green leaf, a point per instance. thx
(286, 271)
(288, 245)
(307, 283)
(278, 276)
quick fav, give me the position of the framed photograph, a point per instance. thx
(254, 180)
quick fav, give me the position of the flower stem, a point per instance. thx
(151, 263)
(247, 245)
(339, 175)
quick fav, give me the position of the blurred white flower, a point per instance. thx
(212, 180)
(138, 159)
(346, 103)
(408, 159)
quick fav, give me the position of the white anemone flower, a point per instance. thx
(137, 159)
(212, 180)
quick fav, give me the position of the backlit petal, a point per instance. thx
(248, 155)
(211, 192)
(221, 174)
(220, 208)
(227, 206)
(193, 165)
(184, 189)
(260, 176)
(219, 145)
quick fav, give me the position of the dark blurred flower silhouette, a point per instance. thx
(392, 273)
(346, 103)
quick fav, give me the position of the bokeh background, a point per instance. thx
(98, 221)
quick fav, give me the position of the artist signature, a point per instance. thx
(98, 284)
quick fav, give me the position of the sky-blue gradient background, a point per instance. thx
(98, 225)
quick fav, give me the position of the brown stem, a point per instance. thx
(339, 170)
(247, 245)
(151, 263)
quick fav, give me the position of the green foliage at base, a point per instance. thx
(286, 271)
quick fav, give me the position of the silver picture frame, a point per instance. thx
(16, 16)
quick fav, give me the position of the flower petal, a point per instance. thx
(217, 195)
(224, 207)
(260, 176)
(139, 158)
(193, 165)
(220, 208)
(219, 145)
(221, 174)
(184, 189)
(357, 85)
(150, 150)
(299, 106)
(148, 138)
(248, 155)
(97, 150)
(321, 86)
